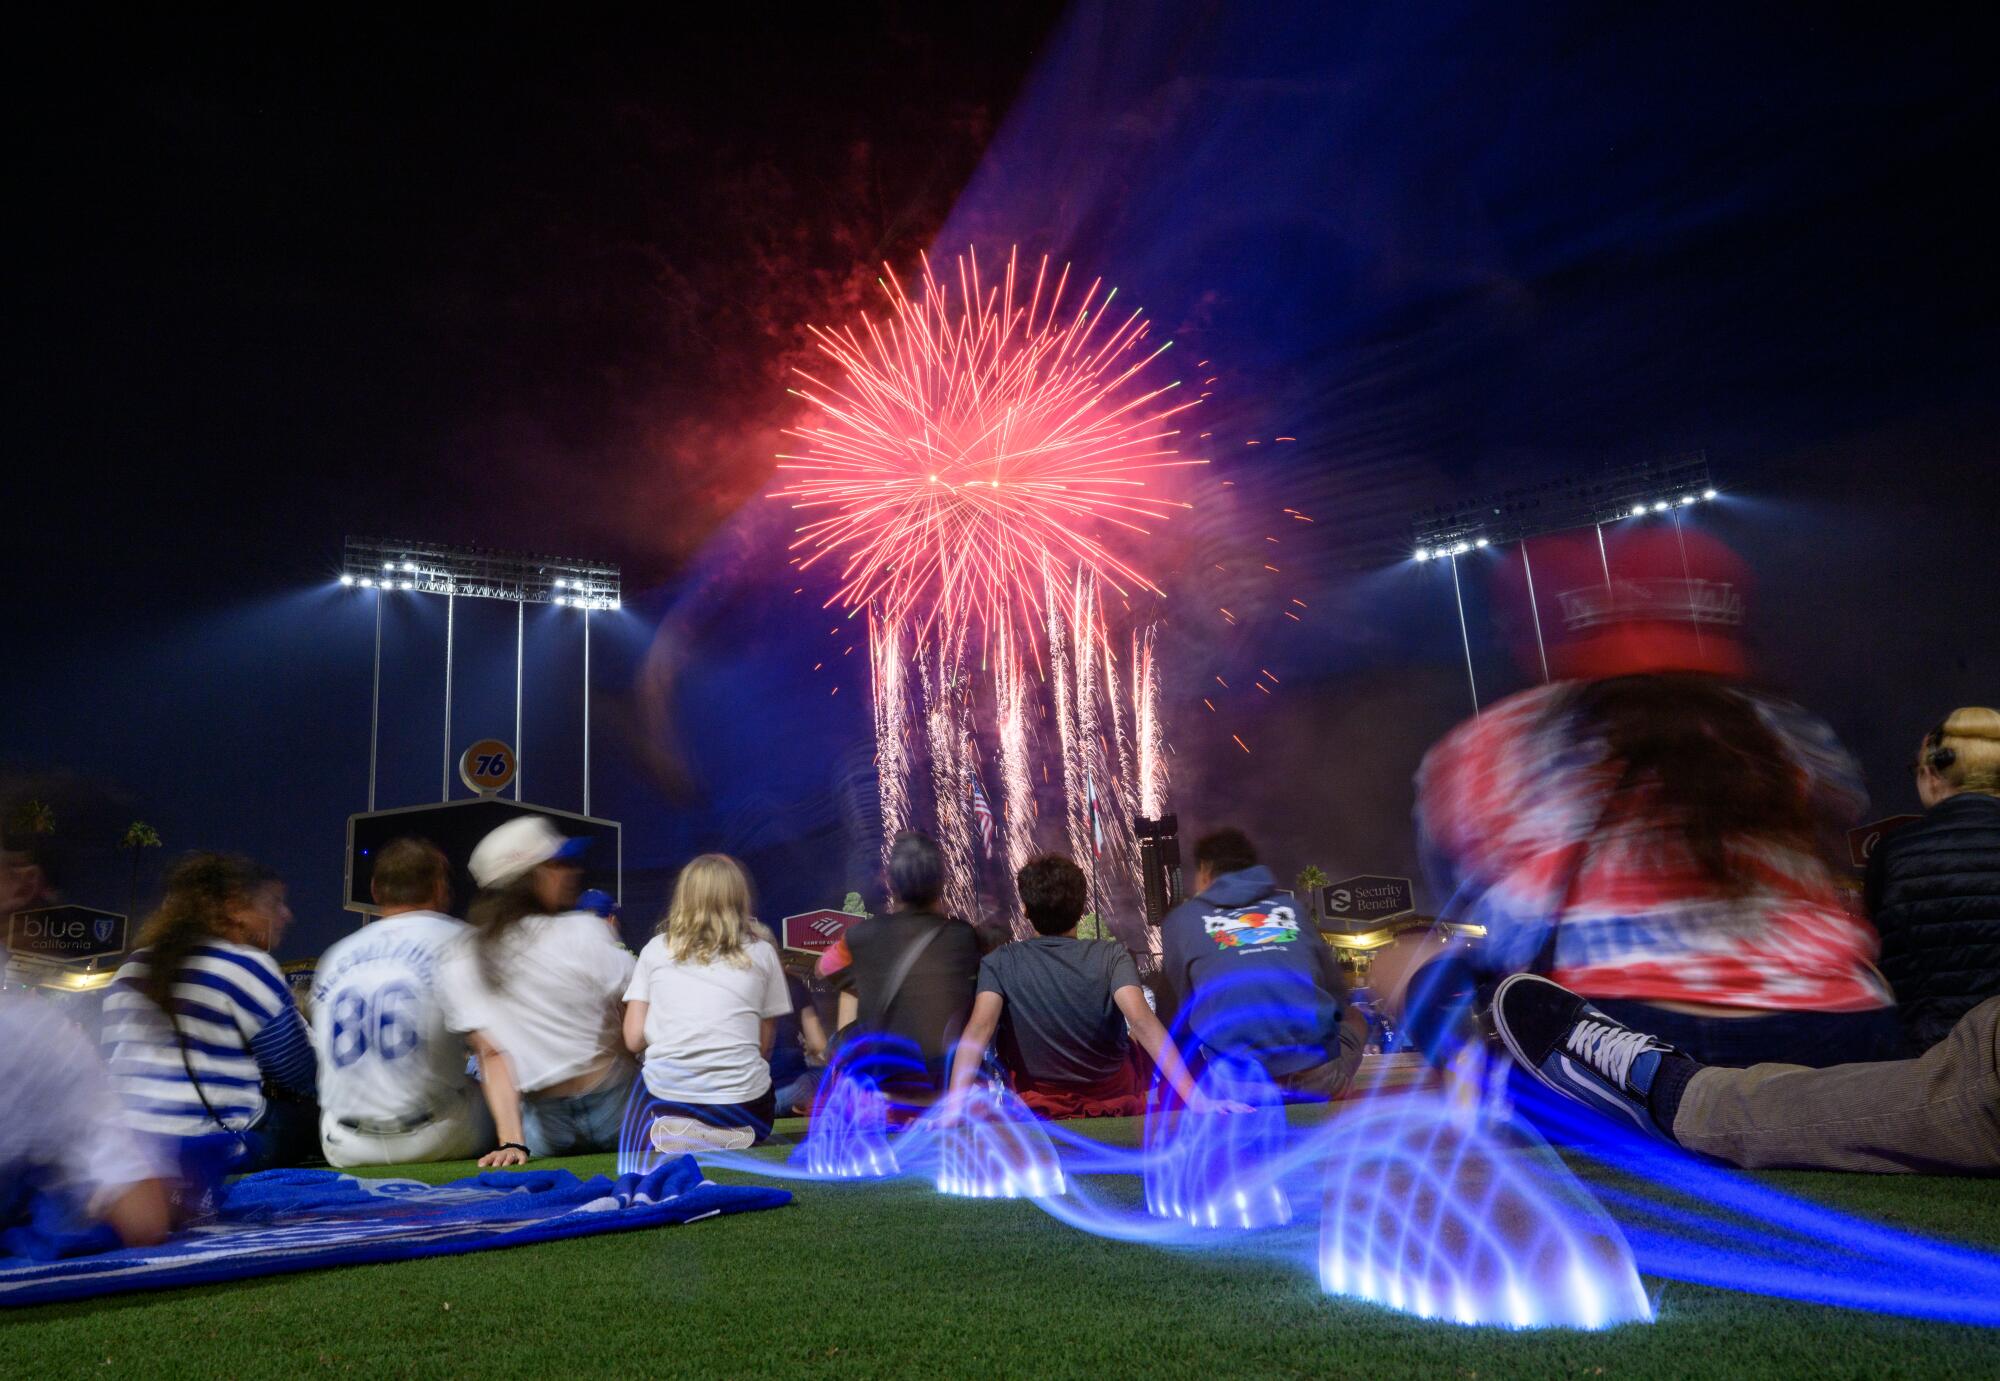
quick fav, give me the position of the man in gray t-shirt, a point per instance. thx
(1066, 1010)
(1060, 1023)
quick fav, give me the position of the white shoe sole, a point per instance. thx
(671, 1134)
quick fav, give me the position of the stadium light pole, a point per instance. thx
(1687, 579)
(1562, 505)
(520, 632)
(375, 705)
(1535, 609)
(380, 564)
(1464, 636)
(450, 613)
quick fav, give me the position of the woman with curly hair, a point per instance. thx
(202, 1031)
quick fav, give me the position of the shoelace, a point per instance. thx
(1610, 1049)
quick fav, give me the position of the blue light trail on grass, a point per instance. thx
(1443, 1202)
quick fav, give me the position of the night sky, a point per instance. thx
(540, 288)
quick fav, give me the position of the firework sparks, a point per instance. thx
(978, 462)
(967, 448)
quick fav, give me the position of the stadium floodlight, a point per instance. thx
(473, 572)
(1567, 503)
(1686, 499)
(520, 578)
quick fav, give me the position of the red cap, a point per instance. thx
(1674, 602)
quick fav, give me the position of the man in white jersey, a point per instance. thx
(393, 1085)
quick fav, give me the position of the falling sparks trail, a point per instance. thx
(977, 469)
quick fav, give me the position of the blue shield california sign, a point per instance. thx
(66, 934)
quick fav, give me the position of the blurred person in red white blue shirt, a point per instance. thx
(1647, 828)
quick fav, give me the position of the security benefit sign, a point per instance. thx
(815, 930)
(66, 933)
(1360, 903)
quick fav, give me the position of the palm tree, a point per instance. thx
(1310, 881)
(139, 837)
(34, 817)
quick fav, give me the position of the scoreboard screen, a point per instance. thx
(456, 827)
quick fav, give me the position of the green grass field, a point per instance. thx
(893, 1279)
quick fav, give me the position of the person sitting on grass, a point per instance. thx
(61, 1136)
(1066, 1011)
(1938, 1114)
(1252, 981)
(204, 1036)
(906, 978)
(703, 1008)
(392, 1082)
(534, 987)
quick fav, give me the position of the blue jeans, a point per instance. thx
(795, 1092)
(1818, 1040)
(572, 1126)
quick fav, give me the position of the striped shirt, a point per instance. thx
(240, 1024)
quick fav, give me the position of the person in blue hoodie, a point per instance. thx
(1251, 977)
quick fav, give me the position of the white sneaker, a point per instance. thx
(678, 1135)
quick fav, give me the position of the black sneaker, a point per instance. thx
(1577, 1050)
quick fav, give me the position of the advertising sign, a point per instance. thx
(66, 933)
(1862, 839)
(1357, 903)
(815, 930)
(487, 766)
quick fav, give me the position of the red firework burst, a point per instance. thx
(971, 448)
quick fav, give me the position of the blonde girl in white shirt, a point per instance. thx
(702, 1010)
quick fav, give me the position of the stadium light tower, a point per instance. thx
(385, 565)
(1624, 493)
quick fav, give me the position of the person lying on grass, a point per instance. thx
(1066, 1010)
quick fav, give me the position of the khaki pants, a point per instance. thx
(1936, 1114)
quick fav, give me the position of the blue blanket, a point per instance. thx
(301, 1220)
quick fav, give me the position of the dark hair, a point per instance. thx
(1227, 850)
(195, 908)
(1054, 892)
(407, 873)
(1717, 772)
(493, 914)
(916, 869)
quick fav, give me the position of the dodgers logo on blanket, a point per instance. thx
(299, 1220)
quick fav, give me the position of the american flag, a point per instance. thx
(982, 811)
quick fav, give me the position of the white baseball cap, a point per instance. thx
(517, 848)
